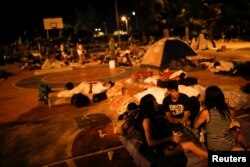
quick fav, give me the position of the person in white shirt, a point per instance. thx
(87, 88)
(81, 51)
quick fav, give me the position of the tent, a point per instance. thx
(161, 53)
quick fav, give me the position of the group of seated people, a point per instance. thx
(162, 137)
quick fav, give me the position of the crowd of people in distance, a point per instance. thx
(62, 54)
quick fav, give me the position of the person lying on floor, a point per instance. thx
(87, 88)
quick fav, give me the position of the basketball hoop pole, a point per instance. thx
(47, 34)
(53, 23)
(117, 23)
(60, 33)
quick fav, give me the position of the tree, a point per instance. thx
(68, 30)
(85, 22)
(175, 15)
(148, 17)
(235, 18)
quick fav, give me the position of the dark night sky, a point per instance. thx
(19, 15)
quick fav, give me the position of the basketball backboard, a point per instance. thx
(53, 23)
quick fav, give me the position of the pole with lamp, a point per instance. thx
(124, 18)
(136, 24)
(105, 28)
(117, 23)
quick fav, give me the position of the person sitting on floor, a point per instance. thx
(216, 118)
(163, 143)
(177, 108)
(176, 104)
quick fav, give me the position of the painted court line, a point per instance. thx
(242, 116)
(72, 164)
(70, 161)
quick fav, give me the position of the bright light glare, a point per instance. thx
(123, 18)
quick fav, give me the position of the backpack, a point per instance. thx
(44, 91)
(129, 125)
(80, 100)
(99, 97)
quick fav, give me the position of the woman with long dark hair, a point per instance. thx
(216, 118)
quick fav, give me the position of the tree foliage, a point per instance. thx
(85, 22)
(148, 16)
(214, 16)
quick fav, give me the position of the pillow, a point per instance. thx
(120, 103)
(188, 90)
(158, 93)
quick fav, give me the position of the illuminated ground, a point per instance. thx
(33, 134)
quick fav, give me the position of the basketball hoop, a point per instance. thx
(53, 23)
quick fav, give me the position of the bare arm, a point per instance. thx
(170, 118)
(147, 126)
(202, 117)
(185, 117)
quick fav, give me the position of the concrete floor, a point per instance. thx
(33, 134)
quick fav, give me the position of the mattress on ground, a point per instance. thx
(52, 70)
(53, 100)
